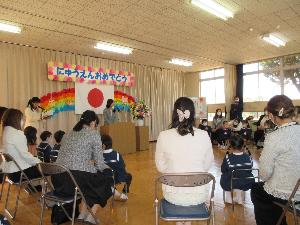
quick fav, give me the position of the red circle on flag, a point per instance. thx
(95, 97)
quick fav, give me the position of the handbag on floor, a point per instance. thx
(58, 215)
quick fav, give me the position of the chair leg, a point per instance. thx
(294, 213)
(232, 200)
(224, 197)
(156, 212)
(14, 213)
(74, 207)
(42, 211)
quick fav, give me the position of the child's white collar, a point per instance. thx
(238, 153)
(108, 150)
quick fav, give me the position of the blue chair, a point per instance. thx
(170, 212)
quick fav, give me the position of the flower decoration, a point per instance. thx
(139, 110)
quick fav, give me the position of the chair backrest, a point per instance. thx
(186, 180)
(8, 158)
(234, 172)
(48, 169)
(296, 188)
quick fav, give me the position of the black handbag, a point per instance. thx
(58, 215)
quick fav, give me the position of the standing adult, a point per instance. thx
(279, 163)
(109, 114)
(81, 152)
(33, 113)
(236, 109)
(183, 149)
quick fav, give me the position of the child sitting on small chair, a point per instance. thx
(58, 135)
(233, 161)
(224, 135)
(115, 161)
(44, 146)
(246, 132)
(204, 126)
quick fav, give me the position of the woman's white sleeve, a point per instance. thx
(22, 148)
(160, 159)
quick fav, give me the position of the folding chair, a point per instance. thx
(48, 169)
(24, 180)
(115, 186)
(291, 205)
(170, 212)
(233, 177)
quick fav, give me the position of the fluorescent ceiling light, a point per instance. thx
(273, 40)
(213, 8)
(181, 62)
(113, 48)
(9, 28)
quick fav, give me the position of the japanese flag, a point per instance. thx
(92, 97)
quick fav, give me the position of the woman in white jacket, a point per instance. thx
(15, 144)
(33, 113)
(184, 149)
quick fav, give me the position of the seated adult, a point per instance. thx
(279, 163)
(259, 134)
(82, 154)
(15, 144)
(30, 133)
(183, 149)
(217, 124)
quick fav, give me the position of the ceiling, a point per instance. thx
(157, 30)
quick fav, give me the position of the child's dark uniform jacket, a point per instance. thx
(246, 133)
(45, 148)
(54, 152)
(233, 162)
(206, 128)
(115, 161)
(224, 134)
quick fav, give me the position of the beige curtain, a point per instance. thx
(229, 85)
(23, 74)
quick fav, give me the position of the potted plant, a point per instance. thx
(139, 110)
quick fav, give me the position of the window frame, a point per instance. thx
(210, 79)
(281, 68)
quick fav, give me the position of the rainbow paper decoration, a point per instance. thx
(123, 101)
(59, 101)
(76, 73)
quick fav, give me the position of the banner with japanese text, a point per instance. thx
(85, 74)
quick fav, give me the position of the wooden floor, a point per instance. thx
(139, 210)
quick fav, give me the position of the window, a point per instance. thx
(264, 79)
(212, 86)
(255, 115)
